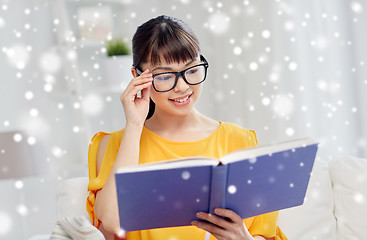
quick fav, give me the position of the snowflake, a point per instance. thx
(253, 66)
(185, 175)
(237, 50)
(22, 210)
(356, 7)
(29, 95)
(232, 189)
(283, 105)
(289, 131)
(292, 66)
(218, 23)
(31, 140)
(266, 34)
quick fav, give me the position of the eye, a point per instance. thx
(192, 70)
(164, 77)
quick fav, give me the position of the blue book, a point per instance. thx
(251, 182)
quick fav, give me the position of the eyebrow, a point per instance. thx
(169, 68)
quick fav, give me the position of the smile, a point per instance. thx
(182, 99)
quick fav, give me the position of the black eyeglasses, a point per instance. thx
(164, 82)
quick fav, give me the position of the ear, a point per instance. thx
(134, 72)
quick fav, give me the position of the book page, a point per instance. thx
(171, 164)
(252, 153)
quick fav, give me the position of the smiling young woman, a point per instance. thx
(168, 70)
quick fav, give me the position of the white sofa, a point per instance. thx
(335, 205)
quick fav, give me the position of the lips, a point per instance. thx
(181, 100)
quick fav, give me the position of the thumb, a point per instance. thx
(145, 94)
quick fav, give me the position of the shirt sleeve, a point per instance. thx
(264, 225)
(97, 180)
(239, 138)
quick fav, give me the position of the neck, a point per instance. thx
(166, 122)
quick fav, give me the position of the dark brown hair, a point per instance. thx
(163, 37)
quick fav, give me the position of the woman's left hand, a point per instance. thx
(233, 228)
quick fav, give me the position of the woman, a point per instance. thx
(162, 124)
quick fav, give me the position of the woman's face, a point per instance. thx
(183, 97)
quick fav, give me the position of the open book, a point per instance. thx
(251, 182)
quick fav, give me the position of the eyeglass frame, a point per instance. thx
(181, 73)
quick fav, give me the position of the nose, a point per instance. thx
(181, 85)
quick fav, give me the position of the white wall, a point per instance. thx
(328, 96)
(30, 209)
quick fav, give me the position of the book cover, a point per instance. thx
(251, 182)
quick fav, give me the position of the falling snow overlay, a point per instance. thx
(286, 69)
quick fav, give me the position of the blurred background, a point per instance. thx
(287, 69)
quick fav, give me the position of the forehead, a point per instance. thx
(175, 64)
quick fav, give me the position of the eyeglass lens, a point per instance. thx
(166, 81)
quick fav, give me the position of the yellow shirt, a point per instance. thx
(227, 138)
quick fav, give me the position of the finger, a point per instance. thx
(145, 94)
(145, 72)
(130, 93)
(142, 79)
(211, 228)
(136, 83)
(144, 75)
(214, 219)
(234, 217)
(139, 88)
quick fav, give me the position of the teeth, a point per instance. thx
(182, 100)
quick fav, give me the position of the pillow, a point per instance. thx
(71, 198)
(349, 177)
(314, 219)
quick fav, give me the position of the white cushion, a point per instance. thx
(314, 220)
(349, 177)
(71, 198)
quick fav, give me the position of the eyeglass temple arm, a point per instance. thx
(138, 71)
(202, 58)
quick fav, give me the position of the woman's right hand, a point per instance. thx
(136, 109)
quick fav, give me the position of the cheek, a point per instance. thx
(197, 89)
(151, 91)
(152, 94)
(156, 96)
